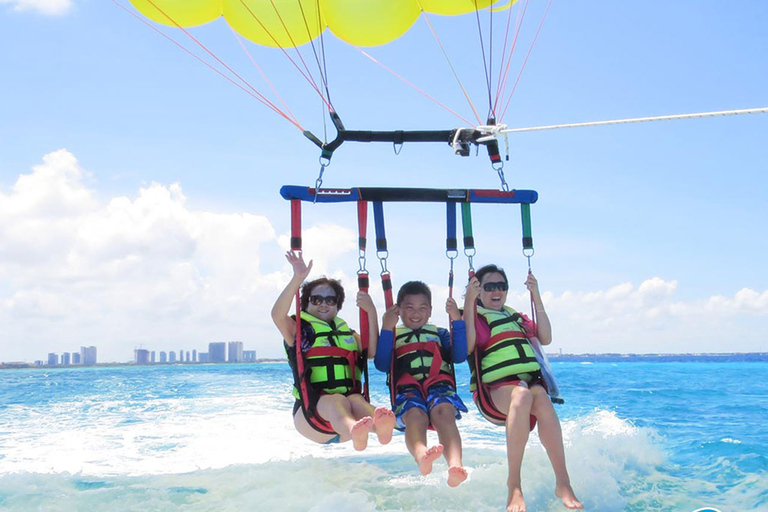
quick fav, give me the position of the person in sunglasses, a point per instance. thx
(330, 407)
(507, 383)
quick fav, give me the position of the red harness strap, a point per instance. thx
(406, 379)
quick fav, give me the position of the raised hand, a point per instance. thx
(300, 269)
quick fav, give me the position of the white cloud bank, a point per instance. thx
(77, 270)
(47, 7)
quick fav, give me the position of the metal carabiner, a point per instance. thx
(324, 162)
(499, 168)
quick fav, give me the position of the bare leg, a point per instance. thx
(443, 418)
(551, 437)
(517, 400)
(337, 410)
(416, 423)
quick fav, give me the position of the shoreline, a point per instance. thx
(565, 358)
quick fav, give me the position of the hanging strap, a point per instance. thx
(451, 245)
(296, 224)
(469, 239)
(312, 417)
(525, 215)
(382, 253)
(363, 284)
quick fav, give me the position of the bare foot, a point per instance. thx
(360, 431)
(384, 422)
(426, 460)
(515, 501)
(565, 493)
(456, 475)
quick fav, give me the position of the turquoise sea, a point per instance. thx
(640, 434)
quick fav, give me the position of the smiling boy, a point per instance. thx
(418, 356)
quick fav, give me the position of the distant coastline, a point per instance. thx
(18, 365)
(735, 357)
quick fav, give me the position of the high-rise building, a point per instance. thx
(249, 356)
(152, 356)
(88, 355)
(171, 356)
(75, 357)
(66, 358)
(141, 356)
(235, 352)
(53, 359)
(217, 352)
(163, 356)
(194, 356)
(202, 357)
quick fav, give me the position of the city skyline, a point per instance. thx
(225, 352)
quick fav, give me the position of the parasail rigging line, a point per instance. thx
(261, 72)
(763, 110)
(323, 68)
(482, 51)
(455, 74)
(522, 68)
(502, 83)
(253, 92)
(419, 90)
(503, 55)
(308, 75)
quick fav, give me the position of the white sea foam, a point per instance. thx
(234, 449)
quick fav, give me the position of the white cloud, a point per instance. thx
(147, 269)
(47, 7)
(648, 318)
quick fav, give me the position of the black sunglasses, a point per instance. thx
(501, 285)
(316, 300)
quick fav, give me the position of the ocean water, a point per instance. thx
(639, 436)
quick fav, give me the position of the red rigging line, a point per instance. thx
(502, 85)
(308, 75)
(263, 75)
(421, 91)
(503, 58)
(458, 80)
(252, 92)
(522, 68)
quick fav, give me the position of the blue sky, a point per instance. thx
(139, 196)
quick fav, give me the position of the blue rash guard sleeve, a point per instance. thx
(383, 358)
(459, 346)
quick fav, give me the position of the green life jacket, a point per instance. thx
(333, 364)
(508, 355)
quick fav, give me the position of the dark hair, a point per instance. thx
(414, 288)
(489, 269)
(306, 291)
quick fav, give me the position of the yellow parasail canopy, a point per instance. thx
(288, 23)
